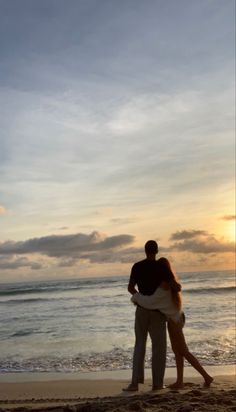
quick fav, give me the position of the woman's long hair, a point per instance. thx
(168, 276)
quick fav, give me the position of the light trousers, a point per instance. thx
(150, 322)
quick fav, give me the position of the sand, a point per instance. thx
(98, 395)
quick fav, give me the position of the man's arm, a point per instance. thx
(133, 280)
(131, 287)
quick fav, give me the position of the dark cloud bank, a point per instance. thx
(199, 241)
(98, 248)
(66, 245)
(94, 247)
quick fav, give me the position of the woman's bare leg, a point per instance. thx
(195, 363)
(181, 351)
(179, 359)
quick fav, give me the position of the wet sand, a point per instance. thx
(103, 394)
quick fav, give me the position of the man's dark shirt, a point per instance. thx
(148, 275)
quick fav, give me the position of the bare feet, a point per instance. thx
(176, 385)
(208, 381)
(130, 388)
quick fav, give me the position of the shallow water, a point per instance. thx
(87, 324)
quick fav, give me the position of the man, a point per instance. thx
(147, 276)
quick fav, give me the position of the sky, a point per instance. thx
(117, 126)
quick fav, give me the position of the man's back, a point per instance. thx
(147, 275)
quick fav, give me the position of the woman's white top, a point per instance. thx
(161, 300)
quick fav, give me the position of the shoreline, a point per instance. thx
(92, 392)
(123, 374)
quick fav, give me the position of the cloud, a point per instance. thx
(66, 251)
(67, 262)
(187, 234)
(10, 262)
(75, 246)
(127, 255)
(229, 217)
(200, 241)
(70, 251)
(123, 220)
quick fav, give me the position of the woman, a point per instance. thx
(167, 299)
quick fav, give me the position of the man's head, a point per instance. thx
(151, 248)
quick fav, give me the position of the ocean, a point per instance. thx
(84, 325)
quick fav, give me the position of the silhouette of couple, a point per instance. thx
(158, 301)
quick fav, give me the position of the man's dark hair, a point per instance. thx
(151, 246)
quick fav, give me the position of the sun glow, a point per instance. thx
(226, 229)
(231, 230)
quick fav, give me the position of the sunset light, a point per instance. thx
(117, 126)
(232, 231)
(117, 205)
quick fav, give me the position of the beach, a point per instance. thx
(68, 345)
(90, 393)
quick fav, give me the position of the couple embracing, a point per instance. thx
(158, 301)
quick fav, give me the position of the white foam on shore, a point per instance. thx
(104, 375)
